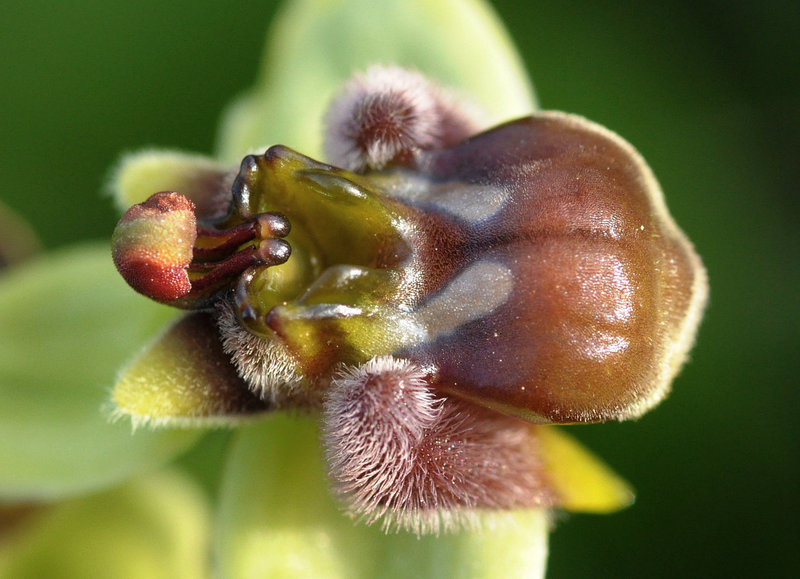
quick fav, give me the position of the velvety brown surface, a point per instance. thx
(606, 288)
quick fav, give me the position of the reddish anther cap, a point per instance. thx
(153, 243)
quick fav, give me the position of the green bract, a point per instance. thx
(62, 342)
(315, 46)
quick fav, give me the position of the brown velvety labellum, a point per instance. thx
(607, 291)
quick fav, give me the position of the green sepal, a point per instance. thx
(138, 175)
(278, 519)
(150, 528)
(314, 46)
(67, 323)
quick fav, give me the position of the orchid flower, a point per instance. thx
(389, 321)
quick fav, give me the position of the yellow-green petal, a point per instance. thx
(583, 482)
(138, 175)
(183, 378)
(315, 45)
(150, 528)
(67, 322)
(278, 519)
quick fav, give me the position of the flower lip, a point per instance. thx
(162, 252)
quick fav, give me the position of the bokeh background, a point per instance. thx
(706, 89)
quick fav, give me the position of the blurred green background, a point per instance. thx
(707, 90)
